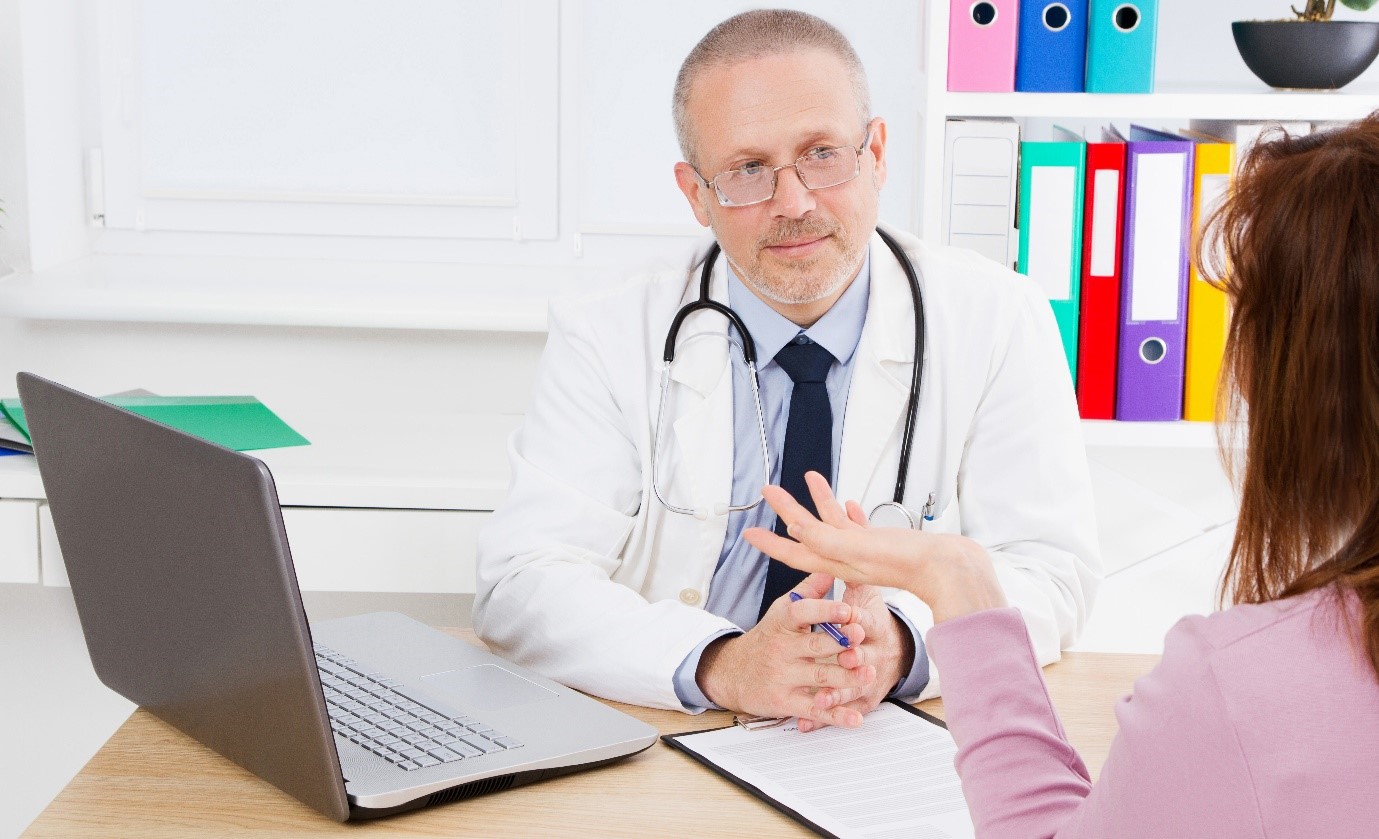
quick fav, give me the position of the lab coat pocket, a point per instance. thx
(947, 519)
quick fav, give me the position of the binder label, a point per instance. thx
(1053, 191)
(1105, 188)
(1158, 224)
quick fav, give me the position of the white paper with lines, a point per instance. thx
(892, 777)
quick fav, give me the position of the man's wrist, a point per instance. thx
(915, 676)
(709, 676)
(687, 688)
(905, 657)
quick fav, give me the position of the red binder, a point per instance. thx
(1102, 241)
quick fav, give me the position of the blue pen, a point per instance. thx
(834, 632)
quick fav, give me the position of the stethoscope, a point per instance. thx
(891, 513)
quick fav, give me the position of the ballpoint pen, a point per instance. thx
(834, 632)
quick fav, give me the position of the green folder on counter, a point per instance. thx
(235, 422)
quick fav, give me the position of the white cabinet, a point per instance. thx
(333, 549)
(402, 515)
(428, 551)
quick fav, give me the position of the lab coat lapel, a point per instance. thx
(874, 421)
(702, 404)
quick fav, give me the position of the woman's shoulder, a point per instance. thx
(1253, 623)
(1276, 653)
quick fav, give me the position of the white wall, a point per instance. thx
(330, 128)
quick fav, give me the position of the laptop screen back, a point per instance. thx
(185, 587)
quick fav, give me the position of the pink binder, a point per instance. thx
(982, 37)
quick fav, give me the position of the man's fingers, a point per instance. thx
(842, 716)
(860, 596)
(857, 514)
(819, 585)
(857, 627)
(857, 655)
(812, 718)
(823, 645)
(833, 697)
(826, 675)
(812, 610)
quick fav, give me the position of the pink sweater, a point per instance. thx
(1259, 721)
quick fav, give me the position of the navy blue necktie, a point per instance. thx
(808, 445)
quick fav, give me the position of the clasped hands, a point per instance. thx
(781, 668)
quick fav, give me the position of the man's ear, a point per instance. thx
(696, 193)
(878, 148)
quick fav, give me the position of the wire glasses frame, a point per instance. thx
(820, 168)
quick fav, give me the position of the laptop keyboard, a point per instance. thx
(366, 708)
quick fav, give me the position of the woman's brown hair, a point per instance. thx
(1300, 236)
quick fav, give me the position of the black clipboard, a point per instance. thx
(673, 740)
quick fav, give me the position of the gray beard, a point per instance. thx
(796, 296)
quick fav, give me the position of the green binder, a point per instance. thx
(1052, 182)
(235, 422)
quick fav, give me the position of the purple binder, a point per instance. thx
(1153, 327)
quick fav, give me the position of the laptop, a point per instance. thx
(188, 600)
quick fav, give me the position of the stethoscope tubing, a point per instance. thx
(748, 350)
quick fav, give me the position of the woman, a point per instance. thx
(1260, 720)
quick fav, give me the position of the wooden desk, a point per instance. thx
(150, 780)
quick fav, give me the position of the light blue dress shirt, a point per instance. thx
(740, 576)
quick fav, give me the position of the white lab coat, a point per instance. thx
(586, 578)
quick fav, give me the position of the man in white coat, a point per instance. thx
(587, 575)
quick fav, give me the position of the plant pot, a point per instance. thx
(1321, 55)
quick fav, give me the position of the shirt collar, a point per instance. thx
(838, 331)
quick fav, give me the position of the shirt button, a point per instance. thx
(689, 597)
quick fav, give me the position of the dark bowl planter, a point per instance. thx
(1321, 55)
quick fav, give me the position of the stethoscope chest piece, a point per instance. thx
(895, 514)
(891, 514)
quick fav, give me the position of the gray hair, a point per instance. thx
(757, 34)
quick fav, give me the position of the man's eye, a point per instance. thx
(750, 169)
(821, 153)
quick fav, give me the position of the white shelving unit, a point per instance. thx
(1173, 101)
(1209, 98)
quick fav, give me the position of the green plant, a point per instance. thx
(1315, 10)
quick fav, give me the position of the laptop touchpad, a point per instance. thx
(485, 687)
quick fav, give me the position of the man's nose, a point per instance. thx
(793, 199)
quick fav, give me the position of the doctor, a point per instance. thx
(588, 574)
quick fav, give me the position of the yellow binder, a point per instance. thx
(1208, 314)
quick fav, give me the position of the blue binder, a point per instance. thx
(1120, 46)
(1052, 55)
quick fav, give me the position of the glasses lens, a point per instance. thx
(820, 169)
(748, 185)
(823, 168)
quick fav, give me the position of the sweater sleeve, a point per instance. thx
(1175, 767)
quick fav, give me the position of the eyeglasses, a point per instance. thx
(818, 168)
